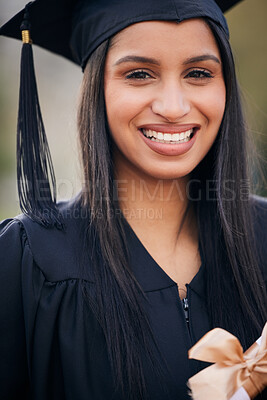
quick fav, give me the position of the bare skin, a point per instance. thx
(181, 90)
(155, 209)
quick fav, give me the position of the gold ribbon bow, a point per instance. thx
(232, 368)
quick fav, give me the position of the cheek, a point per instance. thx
(123, 103)
(212, 105)
(121, 107)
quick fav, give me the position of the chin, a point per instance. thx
(169, 173)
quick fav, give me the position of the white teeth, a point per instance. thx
(167, 136)
(188, 133)
(170, 138)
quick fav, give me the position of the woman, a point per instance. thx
(108, 306)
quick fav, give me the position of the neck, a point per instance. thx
(161, 204)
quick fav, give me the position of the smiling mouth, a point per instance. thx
(168, 138)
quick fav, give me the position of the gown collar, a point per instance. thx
(149, 274)
(147, 271)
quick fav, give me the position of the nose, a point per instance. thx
(171, 102)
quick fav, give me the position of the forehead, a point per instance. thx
(192, 36)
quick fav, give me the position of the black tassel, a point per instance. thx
(35, 172)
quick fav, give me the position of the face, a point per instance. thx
(165, 96)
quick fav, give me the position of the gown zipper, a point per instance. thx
(186, 310)
(185, 305)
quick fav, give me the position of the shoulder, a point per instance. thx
(55, 252)
(259, 216)
(260, 204)
(11, 248)
(259, 219)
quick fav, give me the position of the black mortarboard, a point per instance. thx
(74, 29)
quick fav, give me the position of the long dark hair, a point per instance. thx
(236, 297)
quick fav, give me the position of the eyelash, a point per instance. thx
(135, 75)
(205, 74)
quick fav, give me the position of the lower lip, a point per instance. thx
(169, 149)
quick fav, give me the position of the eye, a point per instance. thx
(199, 74)
(138, 75)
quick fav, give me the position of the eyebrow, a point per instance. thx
(153, 61)
(203, 57)
(137, 59)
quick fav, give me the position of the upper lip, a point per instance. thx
(164, 128)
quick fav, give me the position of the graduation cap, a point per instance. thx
(74, 29)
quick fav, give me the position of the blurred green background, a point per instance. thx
(59, 82)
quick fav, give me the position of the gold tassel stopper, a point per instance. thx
(26, 37)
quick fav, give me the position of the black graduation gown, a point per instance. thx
(51, 342)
